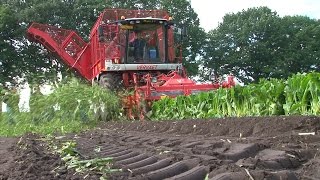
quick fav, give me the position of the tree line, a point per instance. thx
(258, 43)
(252, 44)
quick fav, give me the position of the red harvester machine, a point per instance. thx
(115, 60)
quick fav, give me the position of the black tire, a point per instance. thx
(111, 81)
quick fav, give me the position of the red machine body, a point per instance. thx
(112, 58)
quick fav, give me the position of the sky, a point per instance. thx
(211, 12)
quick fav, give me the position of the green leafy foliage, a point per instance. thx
(257, 43)
(303, 94)
(71, 107)
(69, 154)
(76, 101)
(300, 94)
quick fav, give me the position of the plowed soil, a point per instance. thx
(230, 148)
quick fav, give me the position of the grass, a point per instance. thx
(9, 128)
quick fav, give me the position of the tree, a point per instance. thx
(7, 51)
(257, 43)
(300, 48)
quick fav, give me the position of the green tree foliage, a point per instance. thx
(8, 55)
(257, 43)
(20, 57)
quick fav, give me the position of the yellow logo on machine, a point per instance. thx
(126, 27)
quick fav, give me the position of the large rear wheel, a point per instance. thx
(111, 81)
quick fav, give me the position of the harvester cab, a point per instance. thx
(141, 40)
(128, 49)
(137, 46)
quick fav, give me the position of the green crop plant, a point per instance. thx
(314, 89)
(300, 94)
(72, 106)
(73, 159)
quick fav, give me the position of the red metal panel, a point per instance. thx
(174, 84)
(67, 44)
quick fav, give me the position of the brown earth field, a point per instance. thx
(252, 148)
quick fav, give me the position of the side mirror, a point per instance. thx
(180, 33)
